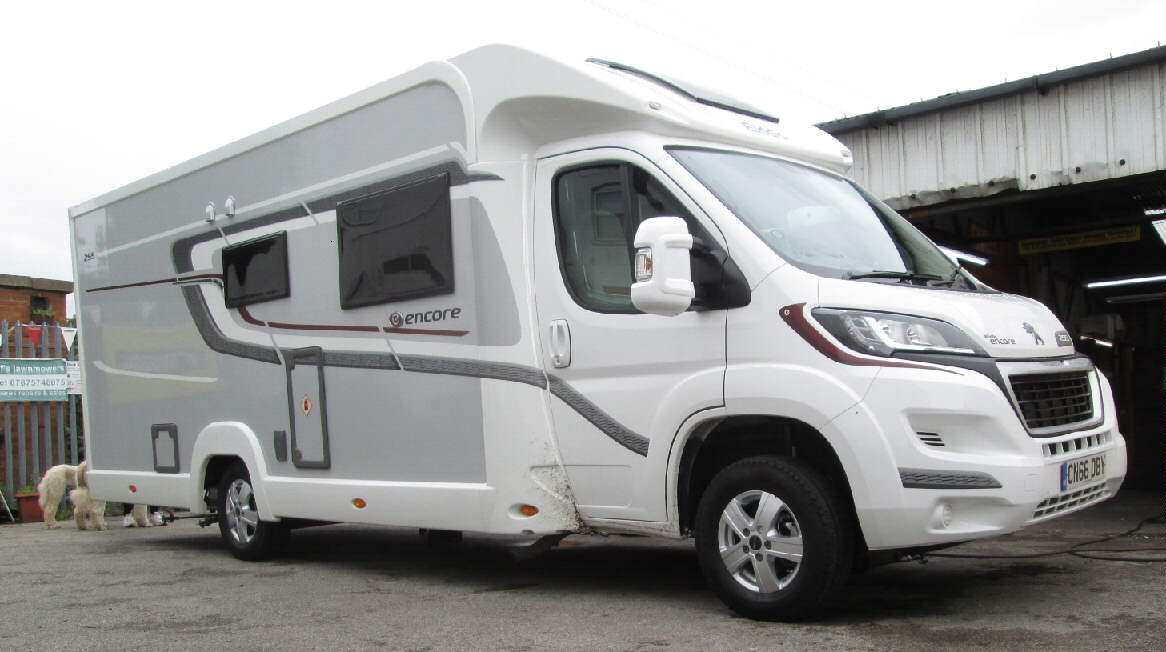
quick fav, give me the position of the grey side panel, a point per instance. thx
(926, 479)
(360, 139)
(632, 441)
(497, 309)
(406, 426)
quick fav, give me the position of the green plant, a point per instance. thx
(26, 489)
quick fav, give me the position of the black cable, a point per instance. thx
(1076, 551)
(1084, 554)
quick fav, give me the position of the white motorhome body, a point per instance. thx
(413, 307)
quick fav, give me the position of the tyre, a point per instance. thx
(773, 538)
(248, 538)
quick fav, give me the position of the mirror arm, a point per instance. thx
(700, 248)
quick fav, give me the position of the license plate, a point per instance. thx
(1078, 473)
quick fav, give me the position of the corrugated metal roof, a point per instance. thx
(1040, 83)
(1104, 120)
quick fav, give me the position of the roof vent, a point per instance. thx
(690, 91)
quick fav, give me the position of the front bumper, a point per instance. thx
(945, 458)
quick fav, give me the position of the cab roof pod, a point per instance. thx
(523, 99)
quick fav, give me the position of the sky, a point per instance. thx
(97, 95)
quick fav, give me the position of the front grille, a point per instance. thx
(1050, 400)
(1070, 501)
(1076, 444)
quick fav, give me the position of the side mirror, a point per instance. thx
(663, 271)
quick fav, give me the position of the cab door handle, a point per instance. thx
(560, 343)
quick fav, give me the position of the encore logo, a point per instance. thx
(397, 320)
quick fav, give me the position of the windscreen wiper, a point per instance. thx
(902, 276)
(950, 280)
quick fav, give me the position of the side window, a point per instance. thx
(591, 229)
(256, 270)
(396, 245)
(597, 211)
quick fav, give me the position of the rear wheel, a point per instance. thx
(248, 538)
(774, 540)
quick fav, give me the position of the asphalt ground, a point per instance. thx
(359, 587)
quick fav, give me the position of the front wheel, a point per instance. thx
(774, 541)
(248, 538)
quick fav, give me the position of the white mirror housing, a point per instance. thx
(662, 267)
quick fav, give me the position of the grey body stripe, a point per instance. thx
(630, 440)
(358, 360)
(428, 364)
(925, 479)
(214, 337)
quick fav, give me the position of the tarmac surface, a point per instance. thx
(359, 587)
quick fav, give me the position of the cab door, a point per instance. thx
(620, 381)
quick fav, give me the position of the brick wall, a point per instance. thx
(16, 304)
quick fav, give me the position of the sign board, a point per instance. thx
(76, 381)
(1131, 233)
(33, 379)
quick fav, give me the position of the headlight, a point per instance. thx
(881, 333)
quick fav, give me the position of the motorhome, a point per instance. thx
(512, 294)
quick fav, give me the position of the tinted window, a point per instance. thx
(256, 271)
(597, 211)
(396, 245)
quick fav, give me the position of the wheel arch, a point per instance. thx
(218, 446)
(717, 442)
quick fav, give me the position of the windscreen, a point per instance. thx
(818, 221)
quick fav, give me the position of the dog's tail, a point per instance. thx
(42, 490)
(82, 470)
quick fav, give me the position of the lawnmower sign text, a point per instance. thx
(33, 380)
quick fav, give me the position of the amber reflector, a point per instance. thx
(528, 510)
(133, 488)
(359, 503)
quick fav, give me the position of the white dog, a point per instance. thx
(53, 486)
(140, 516)
(86, 511)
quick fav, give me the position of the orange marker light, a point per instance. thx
(359, 503)
(133, 488)
(528, 510)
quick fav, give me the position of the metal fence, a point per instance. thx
(37, 435)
